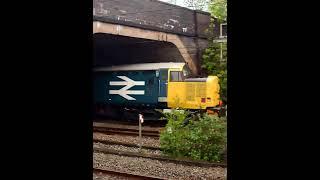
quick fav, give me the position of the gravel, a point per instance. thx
(147, 141)
(126, 148)
(145, 166)
(100, 176)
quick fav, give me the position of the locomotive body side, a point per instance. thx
(192, 93)
(126, 88)
(152, 86)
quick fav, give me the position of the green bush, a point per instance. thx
(203, 138)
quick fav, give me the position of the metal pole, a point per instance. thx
(221, 52)
(140, 129)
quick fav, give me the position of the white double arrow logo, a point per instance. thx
(129, 83)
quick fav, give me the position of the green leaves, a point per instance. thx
(218, 8)
(213, 65)
(202, 139)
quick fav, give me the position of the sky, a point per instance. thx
(178, 2)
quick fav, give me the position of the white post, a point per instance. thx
(226, 111)
(221, 51)
(140, 129)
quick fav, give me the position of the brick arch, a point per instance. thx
(100, 27)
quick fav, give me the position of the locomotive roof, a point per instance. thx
(141, 66)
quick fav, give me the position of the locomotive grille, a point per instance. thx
(201, 90)
(190, 92)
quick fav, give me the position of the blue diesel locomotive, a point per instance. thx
(149, 86)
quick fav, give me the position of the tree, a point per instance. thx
(218, 8)
(213, 64)
(212, 61)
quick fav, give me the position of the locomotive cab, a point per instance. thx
(192, 93)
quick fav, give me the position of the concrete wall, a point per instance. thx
(153, 15)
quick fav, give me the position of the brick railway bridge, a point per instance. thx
(138, 31)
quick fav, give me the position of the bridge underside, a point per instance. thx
(118, 44)
(112, 49)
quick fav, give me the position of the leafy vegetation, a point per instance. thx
(218, 8)
(203, 138)
(213, 61)
(213, 64)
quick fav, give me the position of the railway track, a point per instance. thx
(160, 157)
(152, 123)
(137, 154)
(107, 142)
(126, 131)
(125, 174)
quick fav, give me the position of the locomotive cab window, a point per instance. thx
(186, 72)
(176, 76)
